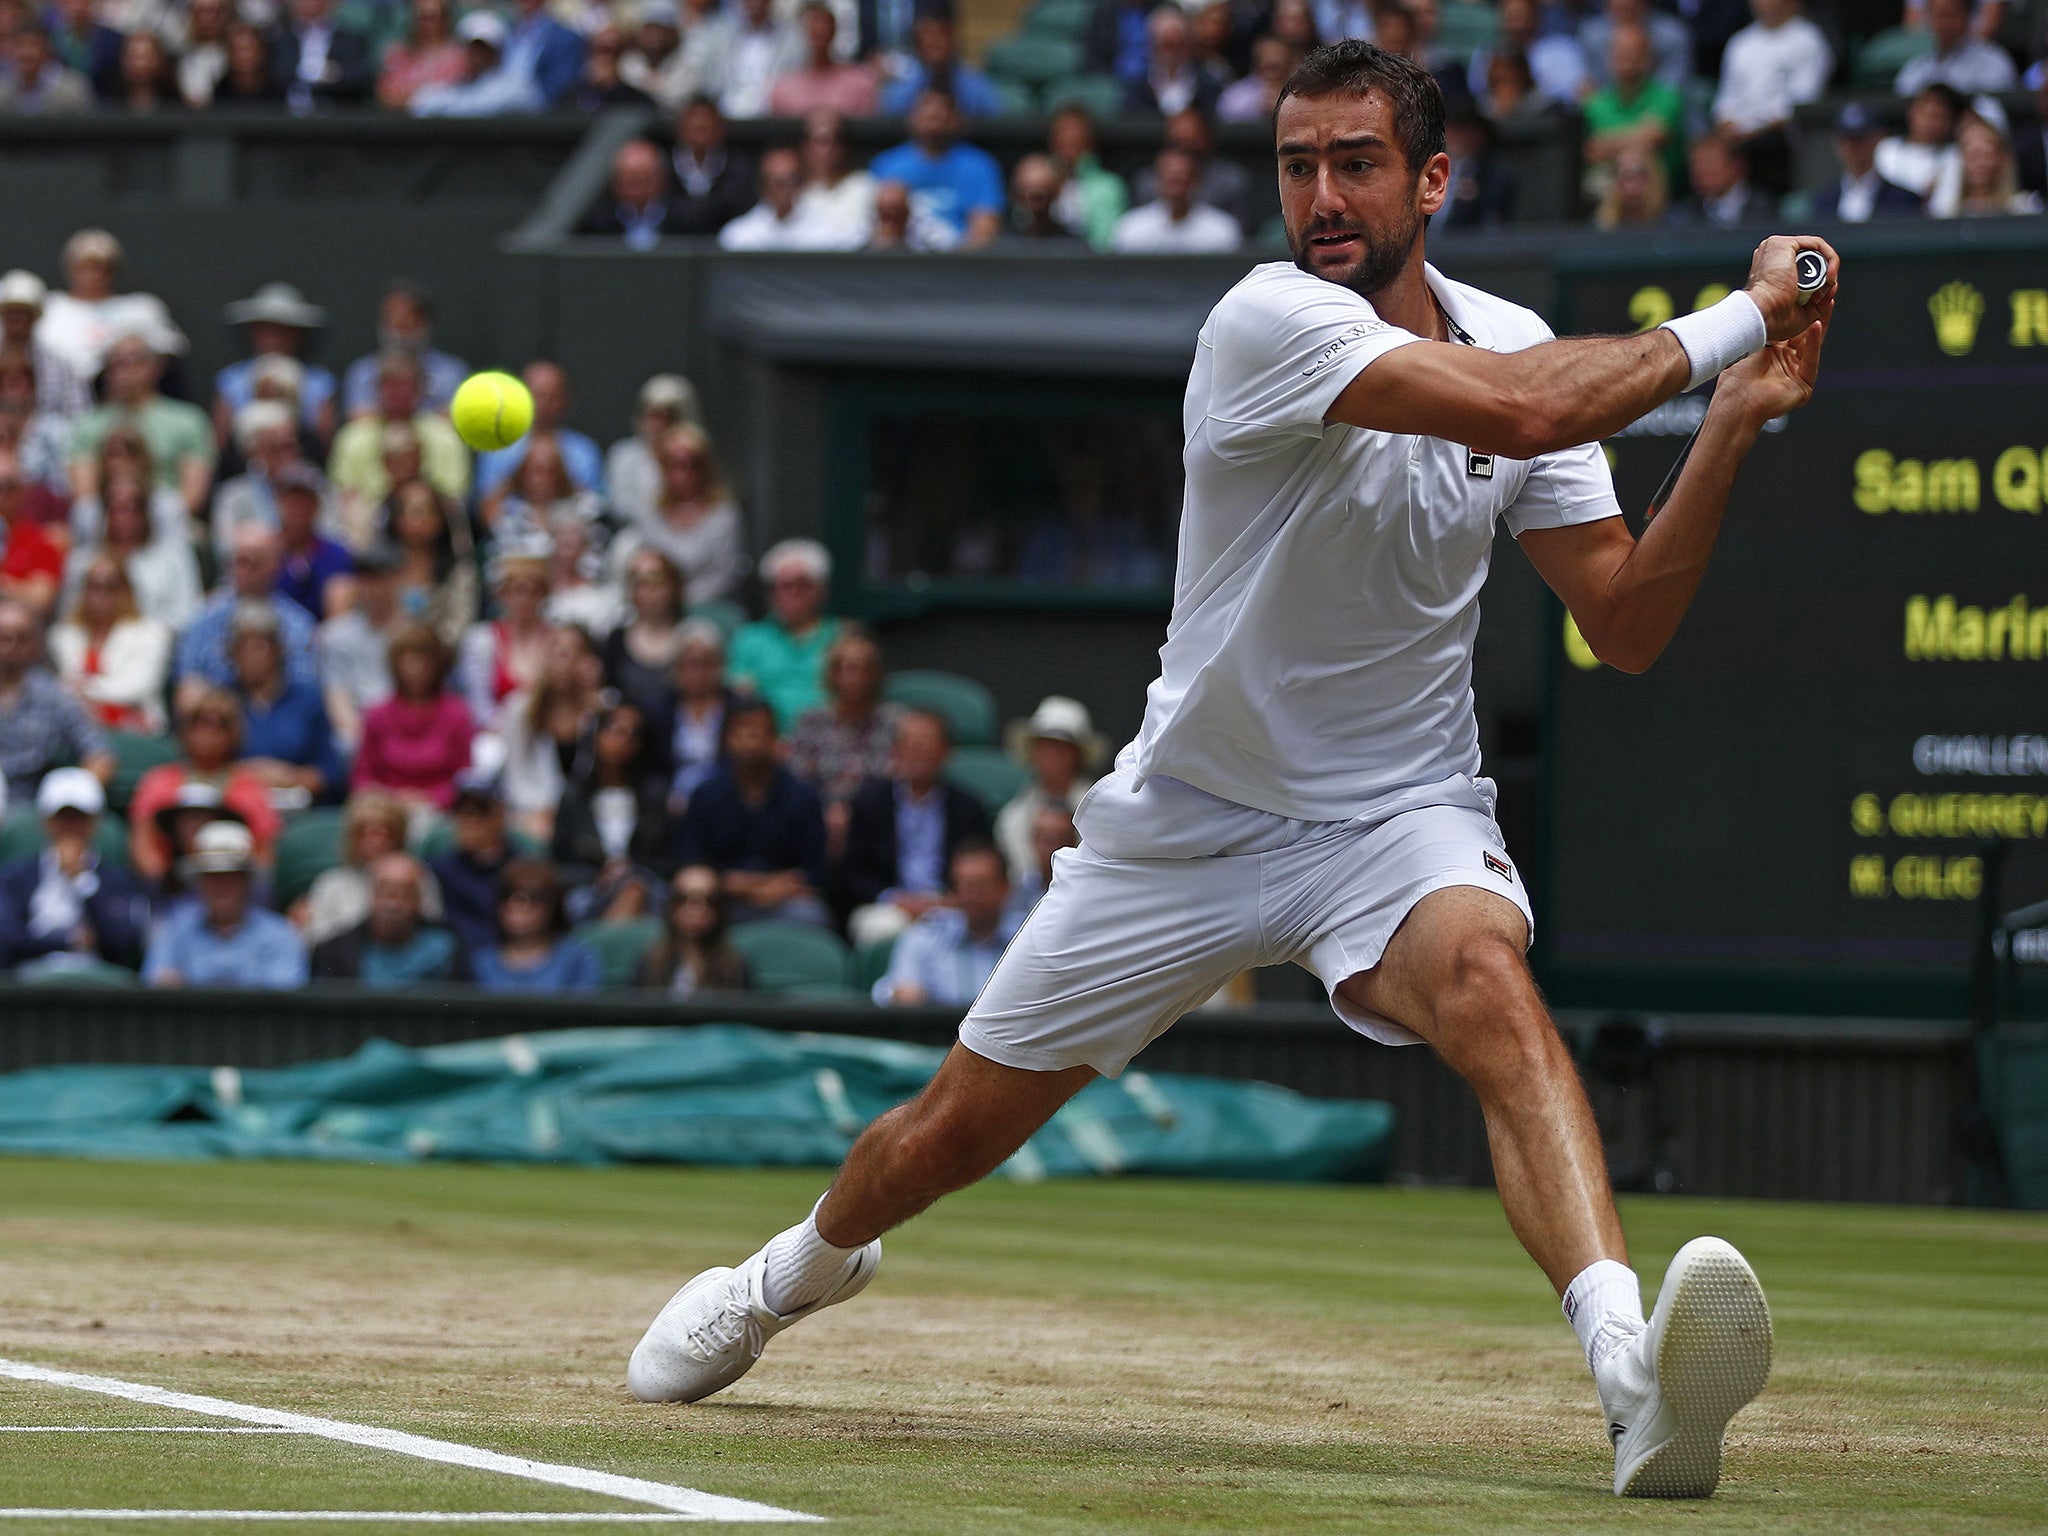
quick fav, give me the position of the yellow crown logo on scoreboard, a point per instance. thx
(1956, 308)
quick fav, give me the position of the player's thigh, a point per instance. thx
(1457, 947)
(1115, 951)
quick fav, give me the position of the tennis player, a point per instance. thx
(1306, 784)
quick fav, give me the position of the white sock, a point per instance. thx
(800, 1266)
(1605, 1305)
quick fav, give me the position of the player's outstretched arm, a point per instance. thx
(1561, 393)
(1627, 595)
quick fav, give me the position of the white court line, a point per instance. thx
(352, 1516)
(138, 1429)
(637, 1490)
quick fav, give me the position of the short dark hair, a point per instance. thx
(745, 707)
(1354, 67)
(976, 848)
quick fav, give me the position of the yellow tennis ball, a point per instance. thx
(491, 410)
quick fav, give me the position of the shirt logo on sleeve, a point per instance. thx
(1338, 343)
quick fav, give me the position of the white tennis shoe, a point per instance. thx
(714, 1329)
(1671, 1390)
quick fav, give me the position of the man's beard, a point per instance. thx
(1381, 262)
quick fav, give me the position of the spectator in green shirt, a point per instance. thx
(1634, 110)
(180, 437)
(1093, 199)
(782, 657)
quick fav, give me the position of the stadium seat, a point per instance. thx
(1099, 94)
(1018, 99)
(135, 755)
(987, 773)
(1032, 61)
(782, 956)
(21, 837)
(968, 708)
(1062, 20)
(1463, 28)
(1879, 61)
(309, 845)
(621, 946)
(727, 616)
(85, 973)
(439, 838)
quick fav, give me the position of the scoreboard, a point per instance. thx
(1793, 807)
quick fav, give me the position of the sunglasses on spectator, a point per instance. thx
(535, 898)
(219, 722)
(103, 584)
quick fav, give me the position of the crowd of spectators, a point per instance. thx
(1650, 84)
(521, 690)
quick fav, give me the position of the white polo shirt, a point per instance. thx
(1318, 663)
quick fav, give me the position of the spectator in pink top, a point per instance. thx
(417, 741)
(822, 83)
(426, 55)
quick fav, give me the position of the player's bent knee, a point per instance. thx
(1490, 1018)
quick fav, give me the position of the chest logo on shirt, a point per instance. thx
(1497, 865)
(1338, 343)
(1479, 465)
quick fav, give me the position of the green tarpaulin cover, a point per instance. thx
(716, 1093)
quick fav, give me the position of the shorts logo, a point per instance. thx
(1498, 866)
(1338, 343)
(1480, 465)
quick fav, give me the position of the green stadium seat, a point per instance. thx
(1463, 28)
(1099, 94)
(989, 774)
(1879, 61)
(968, 708)
(727, 616)
(88, 973)
(439, 838)
(621, 947)
(1032, 61)
(1018, 99)
(135, 755)
(21, 836)
(783, 956)
(309, 846)
(1063, 20)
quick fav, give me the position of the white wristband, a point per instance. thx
(1719, 336)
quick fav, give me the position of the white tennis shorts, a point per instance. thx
(1174, 891)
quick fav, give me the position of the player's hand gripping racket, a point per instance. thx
(1810, 271)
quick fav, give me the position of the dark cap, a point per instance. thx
(1854, 121)
(479, 784)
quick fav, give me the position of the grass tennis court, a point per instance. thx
(1091, 1357)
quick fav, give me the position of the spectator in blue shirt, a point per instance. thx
(534, 952)
(222, 939)
(542, 50)
(950, 182)
(64, 905)
(938, 66)
(902, 832)
(468, 873)
(581, 456)
(287, 743)
(945, 957)
(393, 946)
(405, 323)
(309, 561)
(758, 825)
(254, 563)
(278, 321)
